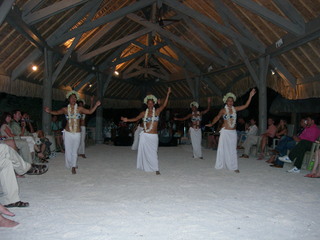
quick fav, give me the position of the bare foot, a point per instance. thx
(5, 211)
(20, 176)
(73, 170)
(5, 222)
(158, 172)
(237, 171)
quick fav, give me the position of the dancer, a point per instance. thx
(195, 129)
(137, 131)
(71, 133)
(147, 158)
(227, 148)
(81, 150)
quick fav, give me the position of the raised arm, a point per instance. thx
(137, 118)
(58, 112)
(184, 118)
(91, 110)
(252, 93)
(165, 102)
(216, 118)
(208, 108)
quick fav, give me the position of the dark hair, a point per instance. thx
(3, 117)
(15, 111)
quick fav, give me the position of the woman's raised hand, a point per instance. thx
(253, 92)
(124, 119)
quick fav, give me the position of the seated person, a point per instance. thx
(240, 127)
(310, 134)
(18, 129)
(213, 139)
(5, 222)
(315, 172)
(56, 127)
(12, 140)
(286, 143)
(251, 140)
(251, 129)
(8, 179)
(267, 138)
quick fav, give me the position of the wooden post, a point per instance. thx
(47, 90)
(263, 68)
(99, 111)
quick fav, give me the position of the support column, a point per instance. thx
(263, 70)
(47, 90)
(99, 111)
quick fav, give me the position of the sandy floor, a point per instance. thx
(110, 199)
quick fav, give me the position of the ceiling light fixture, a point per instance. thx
(34, 68)
(116, 73)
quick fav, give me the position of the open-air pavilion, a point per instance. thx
(120, 50)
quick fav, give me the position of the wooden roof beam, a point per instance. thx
(267, 14)
(58, 7)
(291, 12)
(105, 19)
(31, 5)
(114, 44)
(5, 9)
(96, 37)
(74, 44)
(283, 72)
(227, 13)
(213, 24)
(175, 38)
(211, 44)
(137, 54)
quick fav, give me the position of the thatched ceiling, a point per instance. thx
(199, 48)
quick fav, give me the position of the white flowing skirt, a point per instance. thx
(82, 145)
(147, 159)
(136, 138)
(227, 150)
(71, 145)
(196, 137)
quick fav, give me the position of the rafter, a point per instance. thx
(213, 24)
(175, 38)
(105, 19)
(114, 44)
(51, 10)
(4, 9)
(271, 16)
(96, 37)
(211, 44)
(283, 72)
(32, 5)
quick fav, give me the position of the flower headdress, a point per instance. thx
(194, 104)
(73, 92)
(150, 97)
(229, 95)
(82, 100)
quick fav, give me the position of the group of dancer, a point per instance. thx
(147, 158)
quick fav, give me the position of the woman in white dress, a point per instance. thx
(195, 129)
(227, 148)
(147, 158)
(71, 133)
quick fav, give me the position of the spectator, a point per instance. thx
(56, 127)
(315, 172)
(251, 130)
(251, 140)
(4, 222)
(307, 137)
(286, 143)
(267, 137)
(17, 143)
